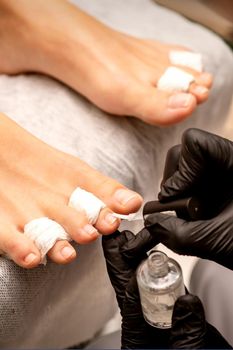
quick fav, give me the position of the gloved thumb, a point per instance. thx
(190, 330)
(188, 323)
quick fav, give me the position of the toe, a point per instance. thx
(204, 79)
(19, 248)
(62, 252)
(163, 108)
(200, 92)
(201, 87)
(124, 200)
(75, 224)
(117, 197)
(107, 223)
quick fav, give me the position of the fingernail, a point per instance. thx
(30, 258)
(180, 100)
(66, 252)
(200, 90)
(90, 230)
(110, 219)
(125, 196)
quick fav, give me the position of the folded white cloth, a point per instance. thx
(188, 59)
(87, 203)
(45, 232)
(175, 79)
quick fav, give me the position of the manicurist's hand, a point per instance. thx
(136, 333)
(123, 253)
(204, 169)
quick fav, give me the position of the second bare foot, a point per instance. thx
(117, 72)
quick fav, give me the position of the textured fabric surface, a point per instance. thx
(58, 306)
(213, 284)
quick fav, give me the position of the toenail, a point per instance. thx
(200, 90)
(180, 100)
(110, 219)
(90, 230)
(67, 252)
(125, 196)
(30, 258)
(205, 77)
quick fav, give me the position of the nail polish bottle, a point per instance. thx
(160, 283)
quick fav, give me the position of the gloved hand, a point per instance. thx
(205, 169)
(136, 332)
(189, 327)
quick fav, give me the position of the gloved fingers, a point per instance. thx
(135, 250)
(173, 232)
(214, 339)
(159, 228)
(136, 332)
(207, 239)
(119, 270)
(134, 327)
(171, 162)
(183, 237)
(188, 323)
(202, 153)
(190, 329)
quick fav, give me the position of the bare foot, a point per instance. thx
(117, 72)
(37, 180)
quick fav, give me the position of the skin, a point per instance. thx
(58, 39)
(28, 191)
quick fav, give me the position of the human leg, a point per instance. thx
(58, 39)
(124, 148)
(55, 294)
(36, 181)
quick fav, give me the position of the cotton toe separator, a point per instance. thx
(187, 59)
(45, 232)
(175, 79)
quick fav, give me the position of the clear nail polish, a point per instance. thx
(160, 283)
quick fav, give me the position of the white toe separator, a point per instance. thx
(187, 59)
(175, 79)
(86, 202)
(45, 232)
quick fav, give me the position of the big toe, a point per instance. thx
(163, 108)
(117, 197)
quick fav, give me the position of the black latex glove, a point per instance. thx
(208, 239)
(136, 332)
(205, 169)
(189, 328)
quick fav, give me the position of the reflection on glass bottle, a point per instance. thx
(160, 283)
